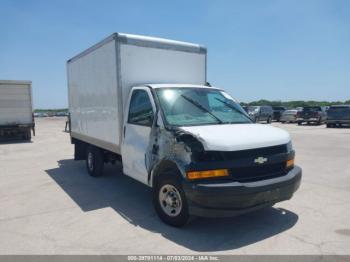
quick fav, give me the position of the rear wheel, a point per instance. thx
(268, 120)
(27, 135)
(329, 125)
(169, 200)
(299, 123)
(94, 161)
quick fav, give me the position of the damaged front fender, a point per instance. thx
(170, 149)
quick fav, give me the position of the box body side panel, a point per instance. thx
(93, 96)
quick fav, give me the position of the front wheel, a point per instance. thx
(169, 200)
(268, 120)
(94, 161)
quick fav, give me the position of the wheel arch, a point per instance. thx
(164, 165)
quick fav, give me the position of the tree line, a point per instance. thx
(293, 104)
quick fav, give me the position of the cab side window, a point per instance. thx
(140, 110)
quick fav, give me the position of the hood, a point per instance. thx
(237, 136)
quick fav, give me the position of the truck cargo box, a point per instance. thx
(100, 78)
(16, 110)
(15, 103)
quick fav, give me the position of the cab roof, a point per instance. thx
(172, 85)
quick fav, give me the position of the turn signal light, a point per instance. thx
(290, 163)
(207, 174)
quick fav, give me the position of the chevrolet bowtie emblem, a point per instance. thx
(260, 160)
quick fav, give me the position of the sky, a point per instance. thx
(270, 49)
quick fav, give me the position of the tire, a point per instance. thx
(268, 120)
(319, 122)
(300, 123)
(329, 125)
(94, 161)
(167, 185)
(27, 135)
(283, 122)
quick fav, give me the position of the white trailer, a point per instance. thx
(100, 79)
(145, 102)
(16, 109)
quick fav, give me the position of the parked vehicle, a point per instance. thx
(289, 116)
(16, 111)
(61, 114)
(40, 114)
(144, 102)
(338, 115)
(312, 114)
(260, 113)
(277, 112)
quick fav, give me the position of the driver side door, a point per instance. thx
(138, 122)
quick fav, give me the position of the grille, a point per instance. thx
(256, 173)
(264, 151)
(213, 156)
(250, 171)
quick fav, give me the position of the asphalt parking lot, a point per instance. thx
(49, 205)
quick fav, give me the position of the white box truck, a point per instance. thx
(16, 109)
(145, 102)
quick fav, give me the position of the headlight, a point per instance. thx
(290, 146)
(290, 162)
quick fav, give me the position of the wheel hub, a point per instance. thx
(170, 200)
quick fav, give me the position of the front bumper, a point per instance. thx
(234, 198)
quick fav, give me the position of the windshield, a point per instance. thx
(252, 109)
(199, 106)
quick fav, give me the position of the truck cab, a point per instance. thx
(202, 154)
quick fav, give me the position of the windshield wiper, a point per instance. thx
(202, 108)
(234, 108)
